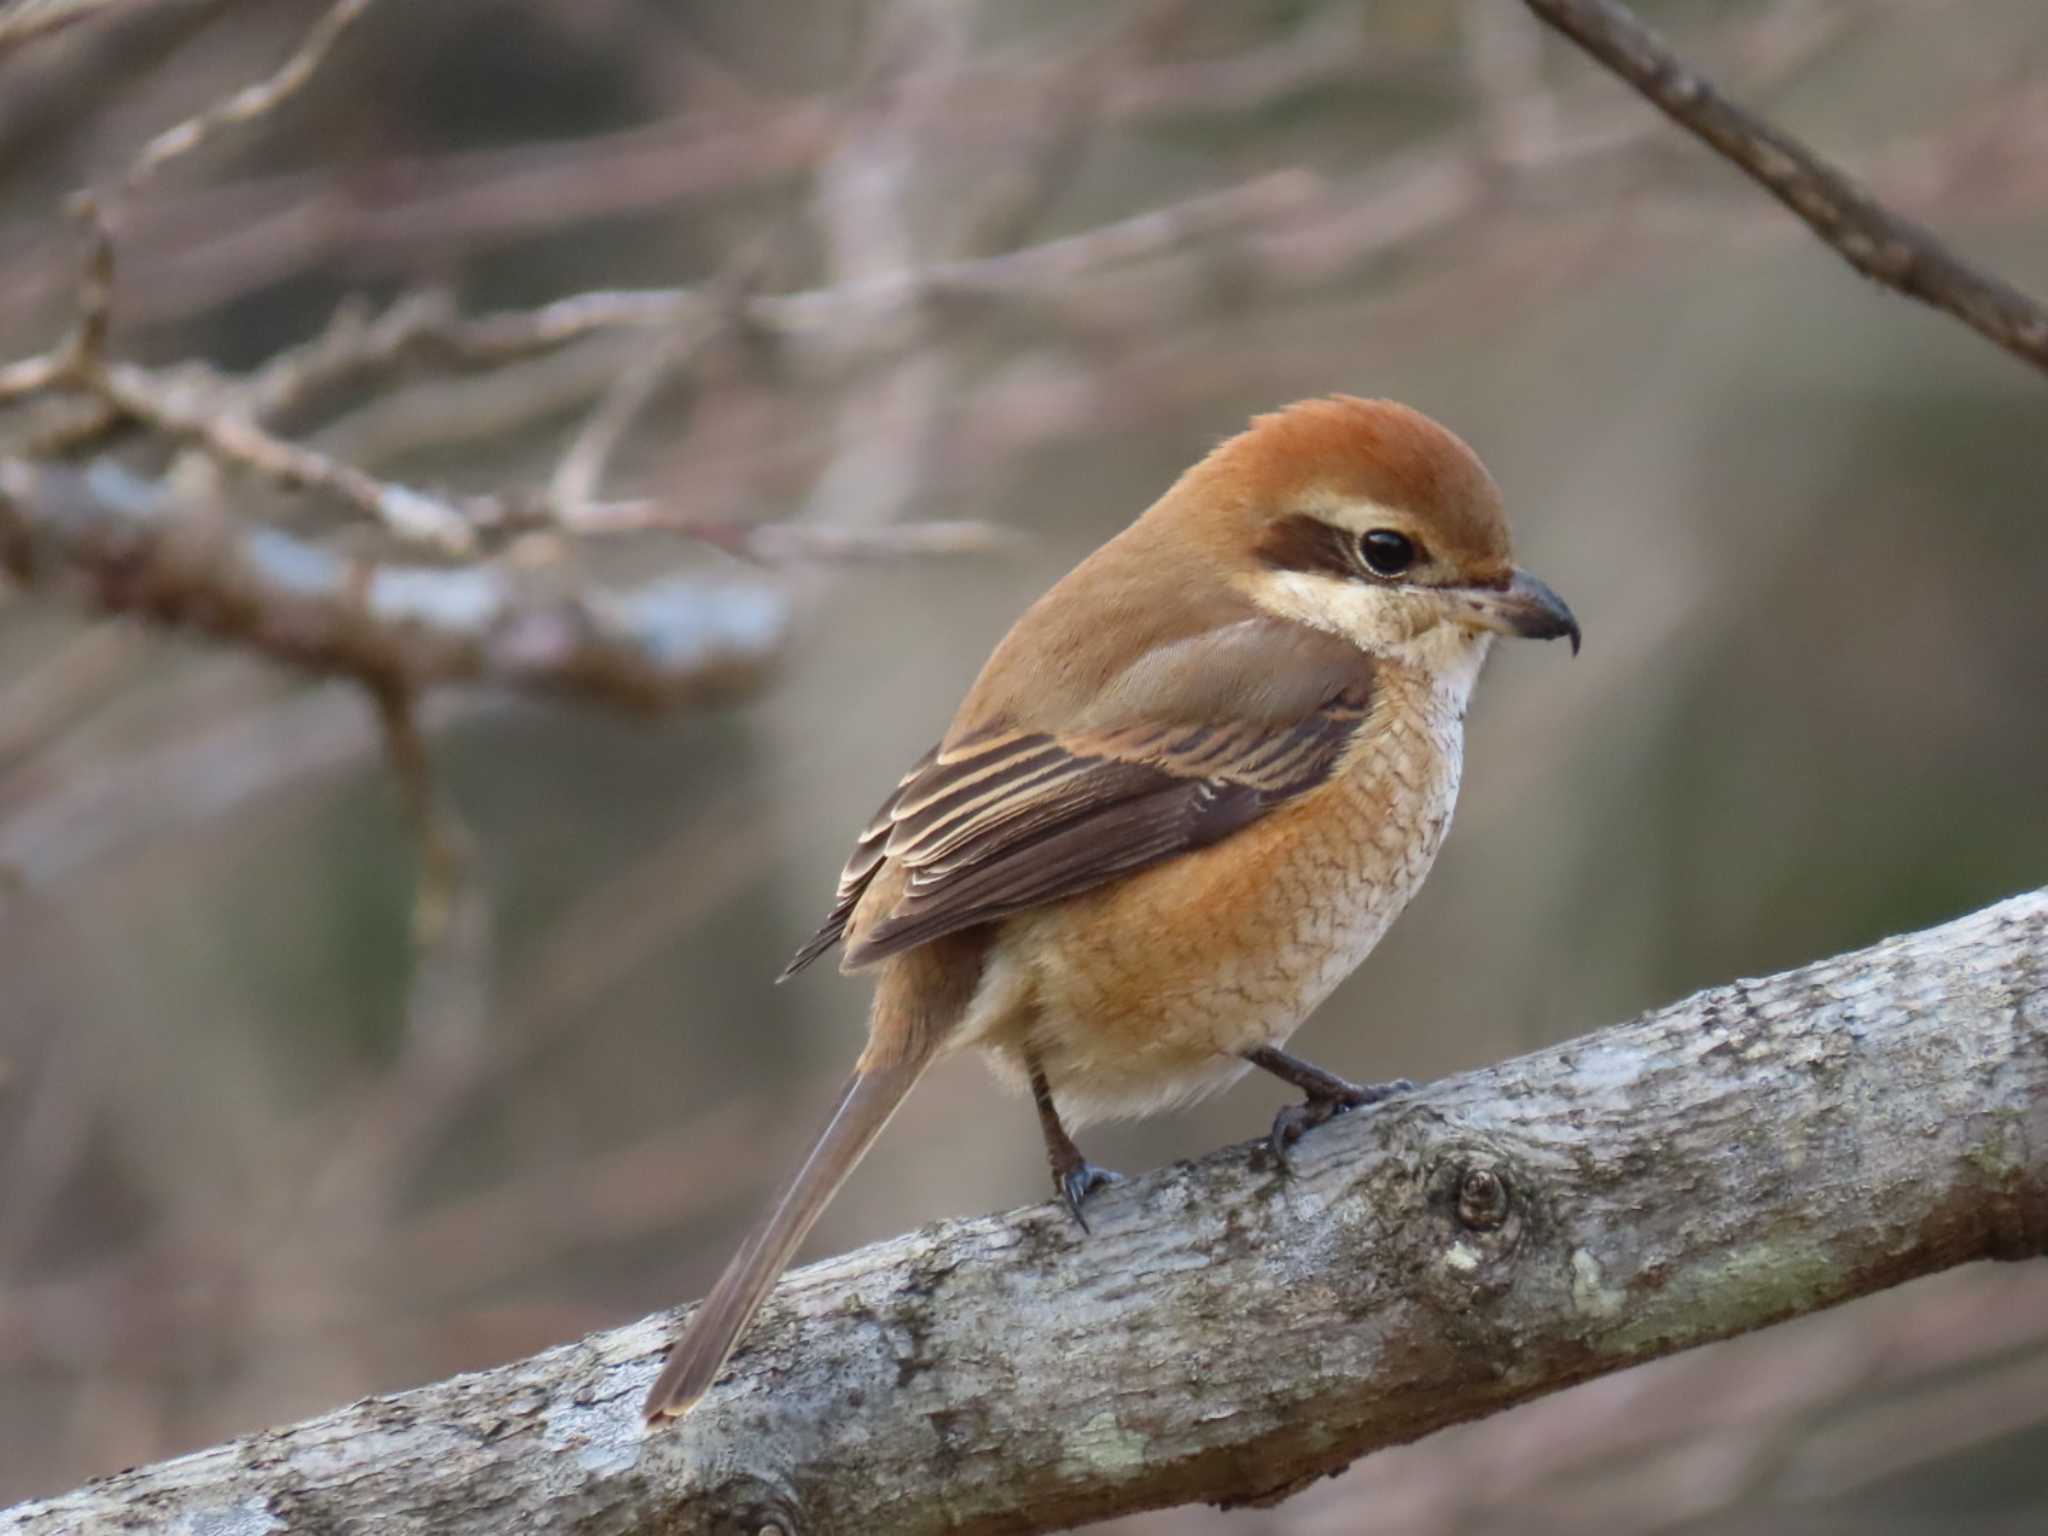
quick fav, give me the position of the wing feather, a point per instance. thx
(861, 867)
(1002, 819)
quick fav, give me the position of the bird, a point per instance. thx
(1185, 797)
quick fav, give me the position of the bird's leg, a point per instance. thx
(1328, 1096)
(1072, 1174)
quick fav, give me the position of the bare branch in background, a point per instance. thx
(574, 486)
(410, 514)
(444, 843)
(220, 242)
(87, 346)
(106, 805)
(23, 21)
(252, 101)
(195, 406)
(428, 328)
(381, 1139)
(1282, 230)
(138, 395)
(1881, 244)
(1753, 1153)
(142, 547)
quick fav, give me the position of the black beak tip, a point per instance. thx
(1550, 620)
(1535, 612)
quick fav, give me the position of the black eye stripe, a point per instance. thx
(1300, 542)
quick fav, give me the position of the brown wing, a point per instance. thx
(1003, 819)
(868, 852)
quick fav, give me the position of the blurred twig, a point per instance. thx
(94, 804)
(1881, 244)
(82, 355)
(1059, 120)
(40, 698)
(220, 242)
(220, 415)
(154, 401)
(146, 397)
(443, 841)
(251, 101)
(382, 1140)
(572, 489)
(23, 21)
(578, 475)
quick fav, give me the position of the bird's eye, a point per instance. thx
(1386, 552)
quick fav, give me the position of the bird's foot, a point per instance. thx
(1295, 1121)
(1073, 1176)
(1077, 1181)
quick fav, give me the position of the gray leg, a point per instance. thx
(1328, 1096)
(1072, 1174)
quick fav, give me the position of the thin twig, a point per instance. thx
(86, 347)
(870, 298)
(30, 376)
(1059, 121)
(411, 514)
(252, 101)
(780, 543)
(790, 543)
(42, 697)
(149, 398)
(1881, 244)
(356, 342)
(99, 805)
(368, 1157)
(97, 213)
(580, 472)
(225, 418)
(26, 20)
(444, 844)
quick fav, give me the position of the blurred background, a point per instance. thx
(268, 1143)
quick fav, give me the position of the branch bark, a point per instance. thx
(1757, 1151)
(1884, 246)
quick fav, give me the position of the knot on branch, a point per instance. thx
(745, 1506)
(1482, 1199)
(1476, 1201)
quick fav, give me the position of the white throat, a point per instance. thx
(1450, 656)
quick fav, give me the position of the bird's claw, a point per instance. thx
(1076, 1184)
(1294, 1121)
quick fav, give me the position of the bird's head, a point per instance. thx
(1366, 518)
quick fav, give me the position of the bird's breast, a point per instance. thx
(1142, 993)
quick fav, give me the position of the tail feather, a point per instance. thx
(865, 1105)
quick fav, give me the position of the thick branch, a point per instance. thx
(143, 549)
(1758, 1151)
(1884, 246)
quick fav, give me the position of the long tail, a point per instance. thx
(869, 1098)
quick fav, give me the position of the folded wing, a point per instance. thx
(1197, 745)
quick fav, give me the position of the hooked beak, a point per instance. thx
(1525, 607)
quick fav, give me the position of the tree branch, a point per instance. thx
(1755, 1152)
(144, 549)
(1884, 246)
